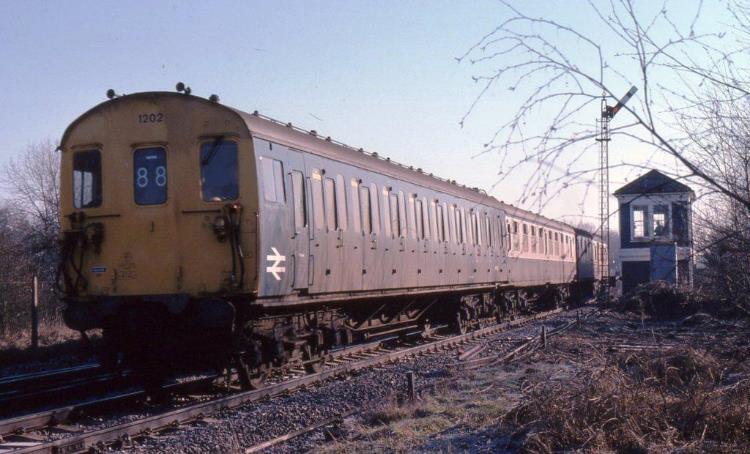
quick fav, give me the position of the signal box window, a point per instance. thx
(639, 222)
(273, 180)
(87, 179)
(660, 220)
(150, 176)
(219, 176)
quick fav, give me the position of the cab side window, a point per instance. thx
(150, 176)
(87, 179)
(219, 174)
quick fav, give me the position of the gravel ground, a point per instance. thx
(233, 430)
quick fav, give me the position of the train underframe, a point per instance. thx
(224, 333)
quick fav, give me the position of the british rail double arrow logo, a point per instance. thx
(277, 259)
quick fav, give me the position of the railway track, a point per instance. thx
(32, 390)
(340, 363)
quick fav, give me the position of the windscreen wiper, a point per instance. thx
(212, 152)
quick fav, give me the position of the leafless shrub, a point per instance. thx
(661, 300)
(29, 228)
(637, 403)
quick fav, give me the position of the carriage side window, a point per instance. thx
(462, 217)
(273, 179)
(356, 216)
(340, 203)
(387, 221)
(87, 179)
(442, 232)
(219, 176)
(412, 217)
(300, 200)
(374, 209)
(150, 176)
(533, 239)
(331, 207)
(317, 199)
(364, 208)
(402, 213)
(395, 215)
(453, 223)
(488, 229)
(542, 243)
(428, 219)
(419, 220)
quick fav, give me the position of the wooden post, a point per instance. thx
(411, 386)
(544, 337)
(35, 314)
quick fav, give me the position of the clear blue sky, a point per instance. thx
(381, 75)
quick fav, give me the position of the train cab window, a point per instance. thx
(273, 179)
(219, 175)
(299, 199)
(150, 176)
(87, 179)
(331, 208)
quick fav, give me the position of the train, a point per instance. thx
(197, 233)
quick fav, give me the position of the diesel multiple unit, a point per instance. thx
(198, 233)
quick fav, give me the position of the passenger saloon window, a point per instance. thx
(150, 176)
(87, 179)
(219, 171)
(273, 180)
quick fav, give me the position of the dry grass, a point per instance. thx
(656, 401)
(54, 341)
(395, 426)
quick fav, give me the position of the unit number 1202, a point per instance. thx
(151, 118)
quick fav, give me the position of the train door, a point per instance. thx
(353, 237)
(371, 226)
(300, 220)
(389, 237)
(326, 255)
(276, 215)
